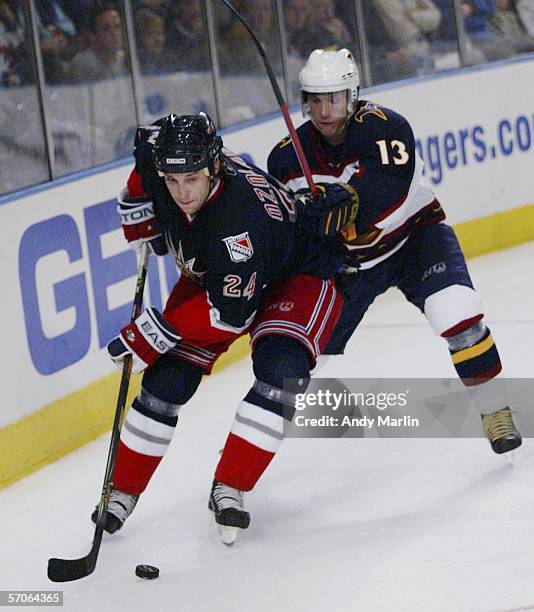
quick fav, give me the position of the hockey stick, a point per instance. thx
(64, 570)
(281, 102)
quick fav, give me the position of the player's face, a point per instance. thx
(189, 189)
(328, 112)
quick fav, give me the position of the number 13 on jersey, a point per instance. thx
(396, 148)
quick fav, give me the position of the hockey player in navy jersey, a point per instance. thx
(245, 267)
(399, 237)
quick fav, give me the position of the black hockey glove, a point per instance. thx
(335, 207)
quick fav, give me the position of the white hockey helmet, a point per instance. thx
(328, 72)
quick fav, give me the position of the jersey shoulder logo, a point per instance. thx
(369, 109)
(239, 247)
(283, 143)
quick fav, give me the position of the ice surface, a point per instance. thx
(337, 525)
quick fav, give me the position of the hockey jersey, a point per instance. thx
(242, 240)
(378, 158)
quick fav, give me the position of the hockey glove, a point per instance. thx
(139, 223)
(335, 207)
(145, 339)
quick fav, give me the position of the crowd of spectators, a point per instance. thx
(85, 39)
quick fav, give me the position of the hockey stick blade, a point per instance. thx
(65, 570)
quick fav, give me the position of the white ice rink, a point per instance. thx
(337, 525)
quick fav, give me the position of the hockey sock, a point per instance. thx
(478, 364)
(151, 421)
(474, 355)
(258, 427)
(145, 437)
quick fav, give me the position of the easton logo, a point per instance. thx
(175, 160)
(239, 247)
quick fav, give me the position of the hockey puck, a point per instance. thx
(148, 572)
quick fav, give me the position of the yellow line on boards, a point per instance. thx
(68, 423)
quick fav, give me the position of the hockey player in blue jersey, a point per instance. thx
(399, 238)
(245, 267)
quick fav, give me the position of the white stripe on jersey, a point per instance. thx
(301, 182)
(420, 194)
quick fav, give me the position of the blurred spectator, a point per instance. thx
(105, 57)
(477, 15)
(187, 36)
(51, 13)
(444, 41)
(306, 32)
(57, 53)
(332, 23)
(159, 6)
(507, 26)
(390, 61)
(482, 45)
(150, 40)
(237, 53)
(11, 39)
(525, 9)
(58, 37)
(57, 34)
(408, 24)
(79, 12)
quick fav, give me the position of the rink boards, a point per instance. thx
(69, 277)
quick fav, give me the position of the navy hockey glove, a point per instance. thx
(145, 339)
(335, 207)
(139, 223)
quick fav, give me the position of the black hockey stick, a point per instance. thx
(64, 570)
(281, 102)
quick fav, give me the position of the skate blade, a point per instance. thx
(510, 457)
(227, 535)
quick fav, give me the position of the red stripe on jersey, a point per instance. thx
(390, 210)
(418, 217)
(241, 463)
(133, 470)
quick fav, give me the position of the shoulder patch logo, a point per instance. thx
(239, 247)
(369, 109)
(283, 143)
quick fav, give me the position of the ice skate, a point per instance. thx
(229, 511)
(120, 506)
(500, 430)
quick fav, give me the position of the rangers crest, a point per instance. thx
(240, 247)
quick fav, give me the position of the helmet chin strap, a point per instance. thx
(351, 109)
